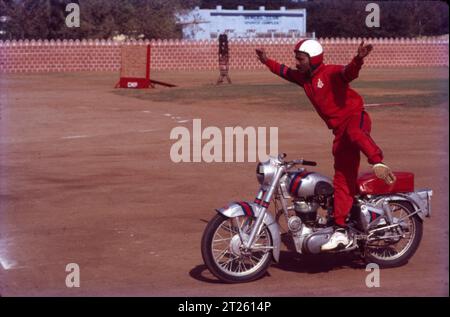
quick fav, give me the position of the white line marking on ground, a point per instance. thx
(146, 111)
(7, 265)
(106, 135)
(183, 121)
(75, 136)
(385, 104)
(5, 262)
(167, 114)
(149, 130)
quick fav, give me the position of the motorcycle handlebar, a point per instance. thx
(310, 163)
(304, 162)
(295, 162)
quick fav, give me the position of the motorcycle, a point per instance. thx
(385, 224)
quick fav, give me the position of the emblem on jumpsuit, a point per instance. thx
(319, 84)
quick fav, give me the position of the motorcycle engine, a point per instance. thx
(307, 236)
(306, 211)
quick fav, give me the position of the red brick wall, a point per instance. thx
(101, 55)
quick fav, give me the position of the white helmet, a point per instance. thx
(313, 49)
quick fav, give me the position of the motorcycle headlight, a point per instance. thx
(265, 172)
(259, 174)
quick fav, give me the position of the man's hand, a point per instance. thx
(385, 173)
(364, 50)
(261, 54)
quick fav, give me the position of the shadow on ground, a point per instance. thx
(293, 262)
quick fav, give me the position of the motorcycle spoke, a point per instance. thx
(222, 254)
(239, 266)
(387, 252)
(251, 260)
(220, 237)
(255, 258)
(228, 262)
(247, 265)
(228, 228)
(242, 266)
(221, 240)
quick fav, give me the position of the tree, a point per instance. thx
(26, 18)
(102, 19)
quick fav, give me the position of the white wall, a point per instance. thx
(205, 24)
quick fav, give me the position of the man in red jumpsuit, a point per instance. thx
(342, 108)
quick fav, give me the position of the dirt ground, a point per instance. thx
(86, 177)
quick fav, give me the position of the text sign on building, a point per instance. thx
(204, 24)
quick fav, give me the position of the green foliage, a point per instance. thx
(423, 88)
(102, 19)
(148, 19)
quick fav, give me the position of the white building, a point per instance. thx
(204, 24)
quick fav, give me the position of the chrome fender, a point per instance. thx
(421, 201)
(244, 208)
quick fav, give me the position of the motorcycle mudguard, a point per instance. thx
(243, 208)
(421, 201)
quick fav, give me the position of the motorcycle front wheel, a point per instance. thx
(394, 247)
(225, 255)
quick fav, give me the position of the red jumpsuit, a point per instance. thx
(342, 109)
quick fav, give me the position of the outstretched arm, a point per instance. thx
(281, 70)
(351, 71)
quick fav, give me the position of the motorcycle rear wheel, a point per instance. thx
(223, 253)
(388, 256)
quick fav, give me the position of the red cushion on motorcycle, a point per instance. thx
(369, 184)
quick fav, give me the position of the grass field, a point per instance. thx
(421, 88)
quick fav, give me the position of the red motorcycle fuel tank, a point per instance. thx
(369, 184)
